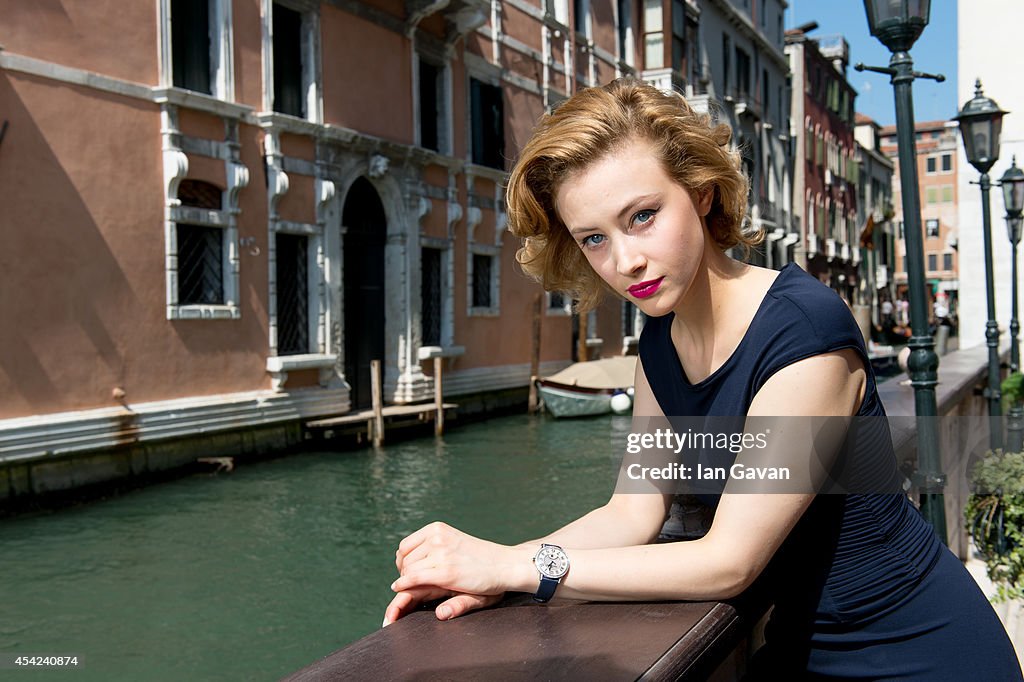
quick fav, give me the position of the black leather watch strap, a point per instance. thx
(546, 590)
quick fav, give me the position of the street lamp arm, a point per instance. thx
(887, 70)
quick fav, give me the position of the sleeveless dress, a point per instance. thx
(862, 587)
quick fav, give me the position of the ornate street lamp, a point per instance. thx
(897, 25)
(1012, 183)
(981, 121)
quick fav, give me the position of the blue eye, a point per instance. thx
(643, 217)
(592, 240)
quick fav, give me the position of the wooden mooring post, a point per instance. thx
(538, 318)
(438, 399)
(378, 403)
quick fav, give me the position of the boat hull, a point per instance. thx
(571, 401)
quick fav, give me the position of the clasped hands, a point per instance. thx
(441, 562)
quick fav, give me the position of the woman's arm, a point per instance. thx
(633, 518)
(626, 519)
(747, 530)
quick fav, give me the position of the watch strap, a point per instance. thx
(546, 589)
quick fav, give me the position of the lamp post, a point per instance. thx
(981, 121)
(897, 24)
(1012, 183)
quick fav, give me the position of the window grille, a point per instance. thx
(481, 281)
(200, 194)
(288, 95)
(190, 45)
(431, 296)
(200, 265)
(292, 294)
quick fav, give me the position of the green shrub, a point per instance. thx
(995, 519)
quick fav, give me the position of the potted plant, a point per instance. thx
(995, 510)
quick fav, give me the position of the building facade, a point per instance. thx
(825, 176)
(937, 164)
(875, 214)
(218, 220)
(982, 46)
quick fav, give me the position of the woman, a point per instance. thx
(624, 188)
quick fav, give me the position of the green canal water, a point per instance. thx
(255, 574)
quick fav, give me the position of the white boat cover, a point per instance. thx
(609, 373)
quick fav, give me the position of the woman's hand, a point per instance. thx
(407, 601)
(439, 556)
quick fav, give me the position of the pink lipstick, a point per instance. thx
(645, 289)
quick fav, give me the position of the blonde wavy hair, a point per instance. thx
(693, 151)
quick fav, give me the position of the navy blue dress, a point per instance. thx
(862, 587)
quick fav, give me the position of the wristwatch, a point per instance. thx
(552, 564)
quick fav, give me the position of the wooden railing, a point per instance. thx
(650, 641)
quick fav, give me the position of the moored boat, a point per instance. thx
(590, 388)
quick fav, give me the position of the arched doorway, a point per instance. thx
(365, 239)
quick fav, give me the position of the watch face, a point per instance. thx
(552, 562)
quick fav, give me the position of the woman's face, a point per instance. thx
(639, 229)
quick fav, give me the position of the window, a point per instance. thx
(947, 261)
(488, 126)
(430, 305)
(930, 164)
(628, 319)
(288, 97)
(200, 265)
(482, 280)
(200, 245)
(765, 91)
(580, 9)
(433, 106)
(947, 163)
(931, 227)
(292, 53)
(933, 262)
(947, 194)
(654, 50)
(742, 72)
(190, 45)
(679, 36)
(292, 270)
(693, 45)
(726, 58)
(932, 195)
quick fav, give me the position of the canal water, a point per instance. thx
(254, 574)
